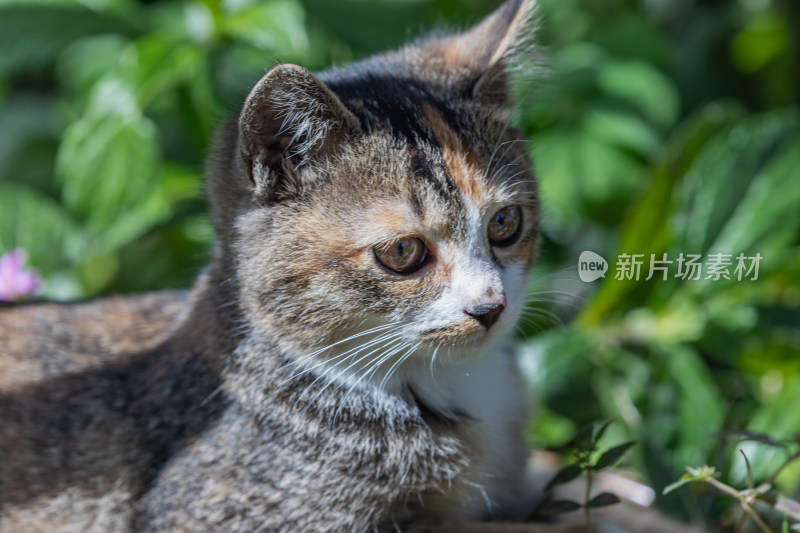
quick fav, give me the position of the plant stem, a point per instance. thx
(787, 462)
(754, 515)
(727, 489)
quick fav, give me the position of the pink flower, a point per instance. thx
(14, 281)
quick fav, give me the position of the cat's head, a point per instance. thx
(391, 194)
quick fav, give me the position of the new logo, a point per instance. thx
(591, 266)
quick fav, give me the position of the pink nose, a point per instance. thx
(486, 314)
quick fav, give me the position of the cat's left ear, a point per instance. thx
(491, 49)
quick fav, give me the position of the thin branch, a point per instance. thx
(787, 462)
(757, 519)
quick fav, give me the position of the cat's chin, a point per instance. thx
(464, 340)
(463, 347)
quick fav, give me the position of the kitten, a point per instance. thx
(345, 362)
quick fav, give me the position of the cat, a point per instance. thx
(345, 362)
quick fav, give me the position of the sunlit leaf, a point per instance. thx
(162, 61)
(643, 86)
(765, 219)
(108, 164)
(763, 39)
(550, 430)
(276, 26)
(741, 161)
(646, 228)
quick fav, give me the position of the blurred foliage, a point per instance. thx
(658, 126)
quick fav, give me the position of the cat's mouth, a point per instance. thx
(468, 331)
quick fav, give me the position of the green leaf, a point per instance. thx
(565, 475)
(34, 222)
(32, 35)
(588, 435)
(603, 499)
(584, 173)
(88, 59)
(613, 455)
(28, 141)
(684, 479)
(781, 422)
(600, 431)
(624, 129)
(276, 26)
(700, 474)
(162, 61)
(108, 164)
(646, 227)
(760, 42)
(701, 408)
(550, 430)
(560, 507)
(753, 163)
(97, 272)
(643, 86)
(584, 438)
(765, 219)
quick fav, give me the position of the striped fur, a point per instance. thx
(300, 385)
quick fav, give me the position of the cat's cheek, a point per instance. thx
(515, 279)
(524, 253)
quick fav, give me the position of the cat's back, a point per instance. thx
(42, 340)
(71, 457)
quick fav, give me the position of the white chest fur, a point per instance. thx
(489, 392)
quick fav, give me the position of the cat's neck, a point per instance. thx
(213, 315)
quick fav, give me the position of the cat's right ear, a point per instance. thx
(479, 61)
(289, 120)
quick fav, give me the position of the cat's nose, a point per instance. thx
(486, 314)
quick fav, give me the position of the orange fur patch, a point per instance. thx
(442, 275)
(462, 163)
(393, 220)
(454, 333)
(454, 56)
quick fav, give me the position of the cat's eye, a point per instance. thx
(505, 225)
(402, 256)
